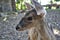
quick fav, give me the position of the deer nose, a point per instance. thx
(17, 27)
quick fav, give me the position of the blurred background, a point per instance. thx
(15, 5)
(48, 4)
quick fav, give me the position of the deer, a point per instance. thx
(34, 21)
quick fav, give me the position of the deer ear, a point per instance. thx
(29, 6)
(39, 8)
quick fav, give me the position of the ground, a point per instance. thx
(9, 20)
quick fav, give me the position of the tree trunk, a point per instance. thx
(13, 5)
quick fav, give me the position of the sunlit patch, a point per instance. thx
(53, 7)
(56, 31)
(5, 19)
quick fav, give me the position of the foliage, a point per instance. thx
(56, 0)
(20, 5)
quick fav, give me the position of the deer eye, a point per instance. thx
(29, 18)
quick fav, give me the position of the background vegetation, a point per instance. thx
(20, 4)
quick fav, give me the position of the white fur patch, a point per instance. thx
(41, 11)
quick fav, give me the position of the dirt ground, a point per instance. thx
(8, 22)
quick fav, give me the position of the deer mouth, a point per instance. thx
(19, 29)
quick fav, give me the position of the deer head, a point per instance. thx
(33, 16)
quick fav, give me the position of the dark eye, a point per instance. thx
(29, 18)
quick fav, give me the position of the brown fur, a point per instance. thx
(38, 29)
(41, 32)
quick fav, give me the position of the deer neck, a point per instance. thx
(40, 31)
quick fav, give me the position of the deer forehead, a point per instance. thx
(31, 12)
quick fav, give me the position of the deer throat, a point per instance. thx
(38, 33)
